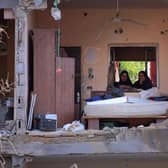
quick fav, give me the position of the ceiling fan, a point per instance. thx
(118, 19)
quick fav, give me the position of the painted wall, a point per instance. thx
(31, 17)
(93, 31)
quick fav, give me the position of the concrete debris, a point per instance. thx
(116, 133)
(67, 136)
(91, 136)
(118, 139)
(162, 124)
(108, 140)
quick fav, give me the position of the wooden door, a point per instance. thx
(65, 91)
(55, 90)
(44, 70)
(75, 52)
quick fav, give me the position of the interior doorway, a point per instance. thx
(75, 52)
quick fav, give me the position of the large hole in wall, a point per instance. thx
(7, 53)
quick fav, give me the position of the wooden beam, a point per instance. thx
(32, 4)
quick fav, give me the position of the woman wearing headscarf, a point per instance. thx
(143, 81)
(125, 81)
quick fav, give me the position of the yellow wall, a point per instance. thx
(96, 31)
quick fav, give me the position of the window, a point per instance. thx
(133, 59)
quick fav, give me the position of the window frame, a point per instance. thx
(156, 45)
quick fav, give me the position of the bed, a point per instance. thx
(127, 108)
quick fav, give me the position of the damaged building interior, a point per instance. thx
(62, 102)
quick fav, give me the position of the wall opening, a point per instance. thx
(133, 59)
(75, 52)
(7, 60)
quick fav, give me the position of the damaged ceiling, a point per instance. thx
(112, 3)
(130, 4)
(8, 3)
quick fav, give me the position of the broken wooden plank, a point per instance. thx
(32, 104)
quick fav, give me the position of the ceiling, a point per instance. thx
(130, 4)
(101, 4)
(8, 3)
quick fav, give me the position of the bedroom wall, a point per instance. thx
(92, 30)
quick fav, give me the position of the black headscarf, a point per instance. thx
(147, 83)
(128, 81)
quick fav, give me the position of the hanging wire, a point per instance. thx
(58, 42)
(117, 8)
(58, 54)
(55, 3)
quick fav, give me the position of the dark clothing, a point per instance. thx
(120, 83)
(147, 84)
(124, 81)
(127, 83)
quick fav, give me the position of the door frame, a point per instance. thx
(77, 77)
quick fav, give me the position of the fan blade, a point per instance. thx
(133, 21)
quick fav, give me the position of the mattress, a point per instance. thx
(126, 107)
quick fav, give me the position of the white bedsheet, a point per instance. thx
(109, 101)
(126, 106)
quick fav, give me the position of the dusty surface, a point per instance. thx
(108, 148)
(103, 161)
(151, 139)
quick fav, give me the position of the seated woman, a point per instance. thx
(124, 81)
(143, 81)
